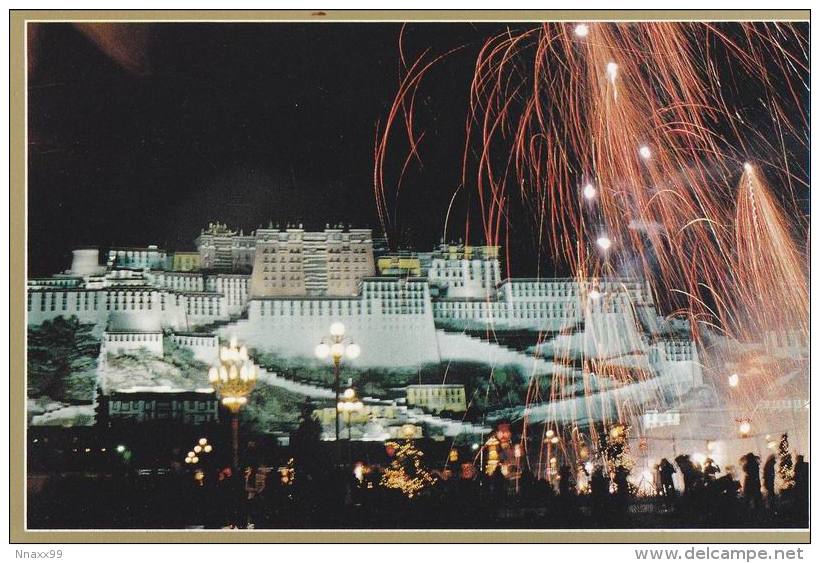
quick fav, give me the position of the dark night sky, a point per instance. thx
(239, 123)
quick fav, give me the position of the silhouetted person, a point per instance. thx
(498, 484)
(599, 483)
(666, 470)
(710, 470)
(692, 476)
(768, 477)
(750, 464)
(566, 485)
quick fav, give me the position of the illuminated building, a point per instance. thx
(221, 248)
(295, 262)
(185, 261)
(399, 265)
(148, 258)
(437, 398)
(189, 407)
(278, 291)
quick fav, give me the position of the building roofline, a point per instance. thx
(306, 298)
(154, 248)
(135, 331)
(195, 334)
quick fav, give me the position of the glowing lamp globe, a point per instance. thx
(734, 380)
(337, 329)
(322, 351)
(337, 350)
(353, 351)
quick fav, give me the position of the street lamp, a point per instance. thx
(337, 347)
(348, 405)
(550, 439)
(745, 427)
(233, 379)
(202, 447)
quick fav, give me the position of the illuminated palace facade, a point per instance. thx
(278, 291)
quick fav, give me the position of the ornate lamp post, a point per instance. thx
(233, 379)
(337, 347)
(348, 405)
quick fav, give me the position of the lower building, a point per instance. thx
(188, 407)
(437, 398)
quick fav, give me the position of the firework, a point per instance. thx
(632, 153)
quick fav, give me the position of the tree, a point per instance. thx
(406, 471)
(305, 442)
(785, 468)
(102, 418)
(62, 360)
(618, 459)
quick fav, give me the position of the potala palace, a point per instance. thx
(278, 291)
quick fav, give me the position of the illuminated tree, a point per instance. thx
(406, 471)
(619, 463)
(785, 469)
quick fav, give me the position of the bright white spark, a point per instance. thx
(603, 242)
(589, 191)
(582, 30)
(612, 71)
(645, 152)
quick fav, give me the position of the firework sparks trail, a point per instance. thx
(622, 144)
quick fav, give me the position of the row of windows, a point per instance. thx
(302, 307)
(119, 406)
(435, 392)
(133, 337)
(209, 341)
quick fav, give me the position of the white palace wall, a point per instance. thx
(292, 328)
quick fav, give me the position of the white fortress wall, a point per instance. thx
(611, 331)
(455, 347)
(205, 347)
(605, 405)
(293, 327)
(119, 343)
(88, 305)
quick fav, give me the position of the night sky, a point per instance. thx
(240, 123)
(142, 134)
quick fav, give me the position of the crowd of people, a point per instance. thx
(314, 492)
